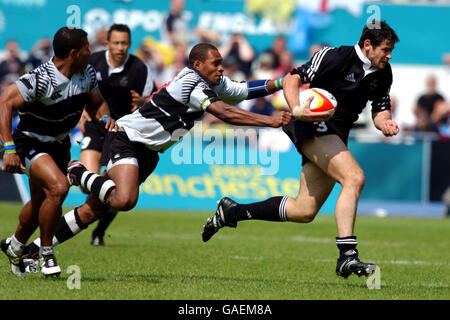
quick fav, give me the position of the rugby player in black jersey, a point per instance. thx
(354, 75)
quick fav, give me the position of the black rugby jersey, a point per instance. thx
(348, 75)
(54, 103)
(115, 87)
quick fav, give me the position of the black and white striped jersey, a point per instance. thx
(172, 110)
(115, 83)
(348, 75)
(54, 103)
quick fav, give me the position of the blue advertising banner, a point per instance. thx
(194, 175)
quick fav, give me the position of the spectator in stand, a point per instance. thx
(178, 64)
(238, 47)
(100, 41)
(428, 107)
(13, 65)
(175, 30)
(262, 68)
(278, 47)
(152, 58)
(286, 64)
(231, 69)
(207, 36)
(41, 53)
(262, 106)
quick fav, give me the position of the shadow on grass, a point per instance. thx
(158, 278)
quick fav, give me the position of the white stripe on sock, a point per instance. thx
(107, 185)
(72, 222)
(282, 209)
(83, 177)
(91, 181)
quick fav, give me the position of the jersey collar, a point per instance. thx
(111, 69)
(367, 65)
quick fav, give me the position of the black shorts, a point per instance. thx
(299, 131)
(117, 146)
(29, 149)
(94, 136)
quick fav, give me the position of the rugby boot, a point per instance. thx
(349, 263)
(219, 220)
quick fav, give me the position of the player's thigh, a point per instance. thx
(45, 173)
(315, 187)
(91, 159)
(126, 178)
(332, 156)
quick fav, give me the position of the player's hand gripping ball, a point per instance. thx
(322, 100)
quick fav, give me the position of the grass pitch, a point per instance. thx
(157, 255)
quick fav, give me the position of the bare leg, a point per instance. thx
(331, 155)
(45, 173)
(125, 195)
(315, 186)
(91, 160)
(29, 215)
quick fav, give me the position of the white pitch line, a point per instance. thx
(405, 262)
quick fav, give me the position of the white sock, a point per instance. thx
(16, 246)
(46, 251)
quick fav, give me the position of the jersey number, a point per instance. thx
(321, 126)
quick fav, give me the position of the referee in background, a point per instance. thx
(125, 82)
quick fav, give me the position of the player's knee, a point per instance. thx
(307, 217)
(125, 203)
(58, 190)
(355, 179)
(299, 214)
(359, 179)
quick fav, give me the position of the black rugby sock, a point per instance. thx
(346, 244)
(272, 209)
(69, 226)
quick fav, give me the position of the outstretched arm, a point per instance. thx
(237, 116)
(261, 88)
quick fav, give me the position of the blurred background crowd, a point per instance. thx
(167, 55)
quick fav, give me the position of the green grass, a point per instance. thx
(160, 255)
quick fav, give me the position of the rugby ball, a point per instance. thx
(322, 100)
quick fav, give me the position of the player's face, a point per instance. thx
(81, 56)
(118, 45)
(380, 55)
(211, 69)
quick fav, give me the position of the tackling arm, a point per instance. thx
(261, 88)
(237, 116)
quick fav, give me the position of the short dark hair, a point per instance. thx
(200, 52)
(377, 35)
(120, 28)
(66, 39)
